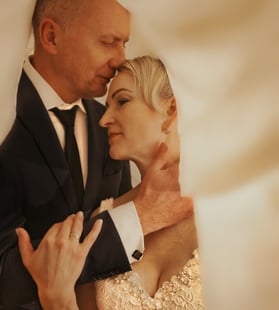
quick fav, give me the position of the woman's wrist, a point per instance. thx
(57, 301)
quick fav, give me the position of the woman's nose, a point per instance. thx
(106, 119)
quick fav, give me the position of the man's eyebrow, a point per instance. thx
(114, 37)
(108, 36)
(119, 90)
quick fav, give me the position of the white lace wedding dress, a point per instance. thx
(125, 292)
(182, 291)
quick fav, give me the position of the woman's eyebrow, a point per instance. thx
(119, 90)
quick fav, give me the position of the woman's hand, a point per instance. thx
(58, 261)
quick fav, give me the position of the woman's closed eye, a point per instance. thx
(117, 102)
(121, 101)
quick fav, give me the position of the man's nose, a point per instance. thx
(119, 58)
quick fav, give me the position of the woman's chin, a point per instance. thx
(115, 154)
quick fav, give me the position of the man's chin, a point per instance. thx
(96, 93)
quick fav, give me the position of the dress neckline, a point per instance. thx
(185, 275)
(181, 291)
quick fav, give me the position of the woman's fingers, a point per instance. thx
(25, 246)
(67, 233)
(60, 230)
(92, 235)
(77, 226)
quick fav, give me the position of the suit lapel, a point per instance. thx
(96, 154)
(34, 117)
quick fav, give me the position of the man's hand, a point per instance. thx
(58, 261)
(158, 202)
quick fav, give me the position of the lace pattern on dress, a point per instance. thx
(182, 291)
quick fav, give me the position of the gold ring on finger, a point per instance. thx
(74, 235)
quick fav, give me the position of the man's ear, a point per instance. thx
(171, 114)
(48, 35)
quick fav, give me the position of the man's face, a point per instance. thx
(92, 48)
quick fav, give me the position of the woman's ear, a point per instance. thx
(171, 111)
(171, 115)
(48, 35)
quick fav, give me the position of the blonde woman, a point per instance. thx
(141, 114)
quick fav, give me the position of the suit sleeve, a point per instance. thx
(107, 256)
(16, 285)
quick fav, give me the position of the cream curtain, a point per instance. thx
(222, 57)
(15, 26)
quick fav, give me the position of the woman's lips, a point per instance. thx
(113, 135)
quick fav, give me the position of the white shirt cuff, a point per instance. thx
(126, 220)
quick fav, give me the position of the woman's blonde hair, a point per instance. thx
(151, 80)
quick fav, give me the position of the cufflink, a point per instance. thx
(137, 254)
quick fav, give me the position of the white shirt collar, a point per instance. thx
(48, 95)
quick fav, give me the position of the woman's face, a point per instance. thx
(134, 129)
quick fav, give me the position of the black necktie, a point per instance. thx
(67, 118)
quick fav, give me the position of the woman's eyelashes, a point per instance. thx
(122, 100)
(117, 102)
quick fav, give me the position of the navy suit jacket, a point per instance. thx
(36, 191)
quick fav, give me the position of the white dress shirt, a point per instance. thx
(124, 217)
